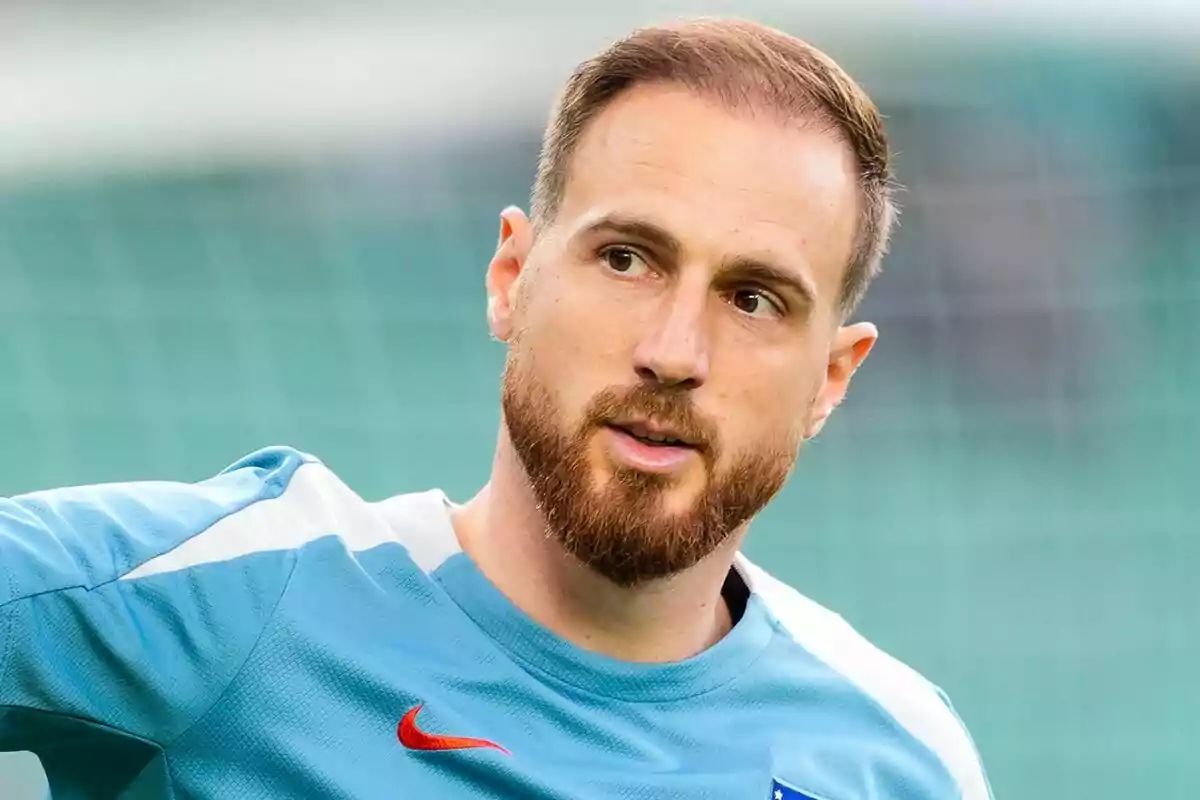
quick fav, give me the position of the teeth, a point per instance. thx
(650, 436)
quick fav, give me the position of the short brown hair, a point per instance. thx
(738, 63)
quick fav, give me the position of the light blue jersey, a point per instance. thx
(269, 634)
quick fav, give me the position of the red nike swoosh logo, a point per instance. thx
(414, 738)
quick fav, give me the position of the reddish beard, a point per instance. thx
(621, 530)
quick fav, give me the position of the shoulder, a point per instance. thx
(259, 476)
(913, 702)
(287, 499)
(90, 535)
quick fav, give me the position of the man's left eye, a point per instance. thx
(754, 303)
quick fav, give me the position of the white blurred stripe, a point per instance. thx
(314, 505)
(144, 89)
(237, 89)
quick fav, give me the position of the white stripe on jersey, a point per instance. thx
(901, 691)
(315, 504)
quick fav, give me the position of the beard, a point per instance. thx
(622, 529)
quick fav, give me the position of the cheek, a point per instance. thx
(582, 335)
(760, 413)
(566, 349)
(775, 428)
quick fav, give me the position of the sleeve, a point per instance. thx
(975, 782)
(99, 658)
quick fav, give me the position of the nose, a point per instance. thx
(674, 351)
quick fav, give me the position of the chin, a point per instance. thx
(679, 500)
(676, 495)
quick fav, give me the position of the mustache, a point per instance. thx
(671, 408)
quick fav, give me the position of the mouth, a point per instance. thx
(654, 436)
(649, 448)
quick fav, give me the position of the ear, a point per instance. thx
(516, 240)
(851, 346)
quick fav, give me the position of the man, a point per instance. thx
(711, 202)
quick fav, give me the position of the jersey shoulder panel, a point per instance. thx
(87, 536)
(913, 702)
(316, 504)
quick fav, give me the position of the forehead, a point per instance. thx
(723, 182)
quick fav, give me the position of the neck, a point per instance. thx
(505, 534)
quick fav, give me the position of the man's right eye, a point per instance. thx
(624, 261)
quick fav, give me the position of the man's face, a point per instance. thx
(687, 290)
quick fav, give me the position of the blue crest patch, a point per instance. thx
(781, 791)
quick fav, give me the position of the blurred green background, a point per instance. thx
(1008, 501)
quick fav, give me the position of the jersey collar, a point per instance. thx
(556, 660)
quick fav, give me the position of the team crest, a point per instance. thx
(782, 791)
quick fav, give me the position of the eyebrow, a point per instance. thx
(770, 276)
(737, 268)
(658, 237)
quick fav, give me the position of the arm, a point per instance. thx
(103, 660)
